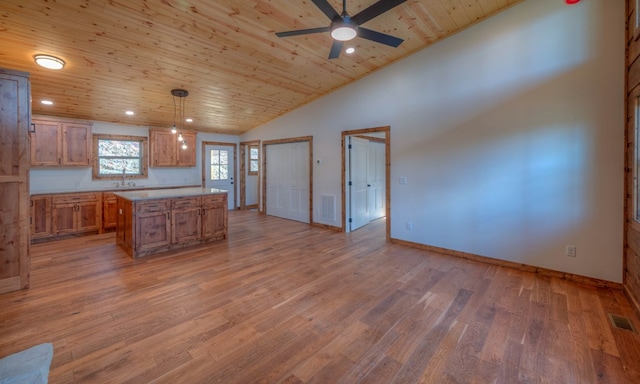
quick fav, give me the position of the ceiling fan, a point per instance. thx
(344, 27)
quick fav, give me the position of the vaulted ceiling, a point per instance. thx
(129, 54)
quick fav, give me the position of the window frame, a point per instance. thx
(250, 160)
(144, 156)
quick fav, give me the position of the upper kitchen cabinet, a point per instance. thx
(60, 144)
(166, 151)
(14, 180)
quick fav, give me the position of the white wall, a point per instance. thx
(510, 134)
(47, 180)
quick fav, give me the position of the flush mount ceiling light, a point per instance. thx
(344, 29)
(47, 102)
(130, 113)
(181, 94)
(349, 50)
(49, 62)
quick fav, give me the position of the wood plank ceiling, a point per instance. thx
(128, 54)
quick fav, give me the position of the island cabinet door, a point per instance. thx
(214, 217)
(185, 220)
(153, 225)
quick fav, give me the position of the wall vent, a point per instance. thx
(328, 208)
(621, 322)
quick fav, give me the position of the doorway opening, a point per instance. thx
(366, 187)
(218, 168)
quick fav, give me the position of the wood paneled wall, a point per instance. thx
(631, 279)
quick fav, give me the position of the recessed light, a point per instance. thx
(350, 50)
(47, 102)
(49, 62)
(189, 120)
(130, 113)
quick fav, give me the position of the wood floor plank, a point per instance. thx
(285, 302)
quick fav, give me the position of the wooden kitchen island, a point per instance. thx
(160, 220)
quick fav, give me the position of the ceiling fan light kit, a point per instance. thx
(344, 30)
(344, 27)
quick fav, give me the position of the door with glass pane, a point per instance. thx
(219, 170)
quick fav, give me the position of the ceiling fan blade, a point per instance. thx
(303, 32)
(335, 49)
(379, 37)
(327, 9)
(376, 9)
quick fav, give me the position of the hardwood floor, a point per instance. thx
(283, 302)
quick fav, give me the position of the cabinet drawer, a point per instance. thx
(75, 198)
(214, 199)
(185, 202)
(153, 206)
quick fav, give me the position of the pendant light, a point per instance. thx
(181, 94)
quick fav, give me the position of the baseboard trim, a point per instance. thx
(632, 299)
(325, 226)
(518, 266)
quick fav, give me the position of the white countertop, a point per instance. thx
(167, 193)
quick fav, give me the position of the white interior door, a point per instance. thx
(357, 183)
(376, 180)
(288, 177)
(219, 170)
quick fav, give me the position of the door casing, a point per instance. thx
(387, 139)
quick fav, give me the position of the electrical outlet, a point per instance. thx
(409, 225)
(570, 251)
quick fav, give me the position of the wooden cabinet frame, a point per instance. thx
(57, 143)
(153, 226)
(165, 150)
(15, 115)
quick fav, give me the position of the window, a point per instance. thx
(118, 156)
(254, 159)
(219, 164)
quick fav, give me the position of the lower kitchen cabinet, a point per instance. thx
(76, 213)
(155, 224)
(59, 215)
(109, 211)
(185, 220)
(214, 216)
(40, 217)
